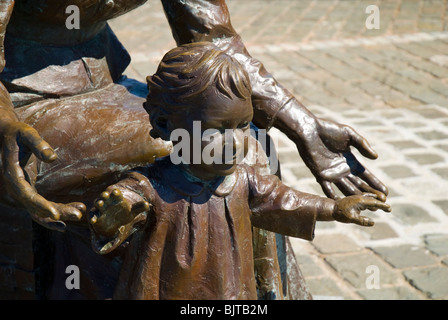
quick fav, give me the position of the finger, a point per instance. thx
(141, 206)
(364, 221)
(371, 195)
(49, 223)
(365, 188)
(81, 207)
(40, 206)
(328, 190)
(373, 181)
(19, 187)
(347, 187)
(72, 211)
(371, 203)
(360, 143)
(105, 195)
(94, 219)
(31, 139)
(116, 195)
(99, 205)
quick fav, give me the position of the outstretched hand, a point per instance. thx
(348, 209)
(112, 210)
(18, 142)
(332, 162)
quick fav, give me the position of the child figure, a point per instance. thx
(191, 223)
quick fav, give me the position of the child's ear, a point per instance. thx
(160, 126)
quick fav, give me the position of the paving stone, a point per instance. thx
(445, 261)
(443, 147)
(325, 288)
(431, 113)
(301, 172)
(354, 268)
(392, 293)
(443, 204)
(359, 99)
(325, 225)
(439, 86)
(308, 267)
(429, 97)
(437, 243)
(405, 256)
(406, 86)
(433, 135)
(410, 214)
(334, 243)
(405, 144)
(433, 281)
(402, 103)
(398, 171)
(391, 114)
(426, 158)
(440, 59)
(410, 124)
(393, 193)
(369, 123)
(353, 114)
(432, 68)
(424, 187)
(443, 172)
(380, 231)
(416, 49)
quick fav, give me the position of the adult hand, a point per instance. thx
(18, 142)
(331, 161)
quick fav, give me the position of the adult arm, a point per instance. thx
(325, 146)
(17, 142)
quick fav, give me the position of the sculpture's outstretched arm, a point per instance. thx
(324, 145)
(17, 142)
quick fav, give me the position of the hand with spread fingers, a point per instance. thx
(338, 166)
(113, 210)
(19, 142)
(348, 209)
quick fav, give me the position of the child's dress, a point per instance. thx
(196, 240)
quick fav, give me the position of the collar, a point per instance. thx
(182, 181)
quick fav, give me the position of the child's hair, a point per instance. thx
(187, 71)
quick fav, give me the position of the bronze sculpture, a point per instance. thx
(65, 86)
(196, 241)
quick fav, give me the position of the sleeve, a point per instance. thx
(6, 107)
(6, 7)
(135, 187)
(281, 209)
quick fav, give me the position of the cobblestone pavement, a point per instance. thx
(391, 85)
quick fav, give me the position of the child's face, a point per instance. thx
(222, 139)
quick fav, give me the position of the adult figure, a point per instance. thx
(67, 114)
